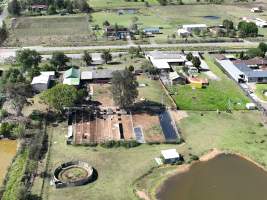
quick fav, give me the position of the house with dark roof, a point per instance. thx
(241, 72)
(118, 32)
(97, 76)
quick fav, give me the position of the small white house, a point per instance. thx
(183, 33)
(41, 82)
(170, 155)
(251, 106)
(256, 10)
(192, 27)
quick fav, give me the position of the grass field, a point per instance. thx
(72, 30)
(153, 91)
(223, 94)
(260, 89)
(115, 4)
(117, 168)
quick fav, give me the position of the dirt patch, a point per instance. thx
(102, 94)
(178, 115)
(150, 125)
(142, 195)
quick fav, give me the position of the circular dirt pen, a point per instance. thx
(73, 173)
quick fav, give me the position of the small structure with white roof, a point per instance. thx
(170, 156)
(42, 82)
(192, 27)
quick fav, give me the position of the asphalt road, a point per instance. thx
(6, 52)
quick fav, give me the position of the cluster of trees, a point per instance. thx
(69, 6)
(260, 51)
(61, 96)
(12, 130)
(3, 33)
(194, 59)
(247, 29)
(124, 88)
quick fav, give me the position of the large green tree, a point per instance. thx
(14, 7)
(28, 59)
(87, 58)
(60, 96)
(124, 88)
(59, 60)
(247, 29)
(106, 56)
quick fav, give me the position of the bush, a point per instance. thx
(121, 143)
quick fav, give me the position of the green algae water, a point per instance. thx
(8, 150)
(225, 177)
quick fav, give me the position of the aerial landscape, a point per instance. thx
(133, 99)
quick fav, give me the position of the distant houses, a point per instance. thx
(116, 32)
(151, 31)
(256, 10)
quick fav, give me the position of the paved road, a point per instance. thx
(7, 52)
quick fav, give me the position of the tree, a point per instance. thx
(106, 56)
(59, 60)
(189, 56)
(228, 24)
(106, 23)
(12, 75)
(163, 2)
(18, 131)
(87, 58)
(247, 29)
(124, 88)
(135, 51)
(255, 52)
(28, 59)
(84, 6)
(3, 32)
(51, 10)
(33, 72)
(196, 62)
(263, 47)
(60, 96)
(131, 68)
(14, 7)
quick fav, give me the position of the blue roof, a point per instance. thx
(250, 72)
(151, 29)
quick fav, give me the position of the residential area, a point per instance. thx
(133, 100)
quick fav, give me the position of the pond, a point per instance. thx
(8, 150)
(213, 17)
(223, 177)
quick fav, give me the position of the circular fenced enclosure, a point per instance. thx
(73, 173)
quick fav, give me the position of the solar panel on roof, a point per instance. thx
(139, 135)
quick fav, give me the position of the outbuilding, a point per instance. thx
(42, 82)
(72, 77)
(170, 156)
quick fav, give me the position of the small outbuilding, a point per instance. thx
(183, 33)
(175, 78)
(72, 77)
(153, 30)
(42, 82)
(170, 156)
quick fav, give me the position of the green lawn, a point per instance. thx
(222, 95)
(117, 168)
(153, 91)
(260, 89)
(119, 3)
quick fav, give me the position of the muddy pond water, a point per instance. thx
(225, 177)
(8, 150)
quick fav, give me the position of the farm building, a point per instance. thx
(72, 77)
(170, 156)
(175, 78)
(162, 60)
(42, 82)
(183, 33)
(97, 76)
(256, 10)
(241, 72)
(192, 27)
(38, 7)
(153, 30)
(116, 33)
(259, 22)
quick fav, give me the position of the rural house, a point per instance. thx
(72, 77)
(42, 82)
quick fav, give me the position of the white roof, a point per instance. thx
(160, 63)
(48, 73)
(194, 26)
(87, 75)
(181, 30)
(40, 79)
(170, 154)
(188, 63)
